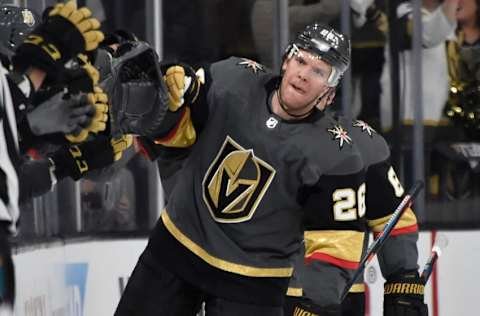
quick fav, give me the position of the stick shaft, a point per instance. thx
(428, 268)
(378, 243)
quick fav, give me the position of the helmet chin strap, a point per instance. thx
(285, 107)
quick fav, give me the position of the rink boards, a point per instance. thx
(86, 277)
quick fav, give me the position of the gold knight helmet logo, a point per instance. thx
(235, 183)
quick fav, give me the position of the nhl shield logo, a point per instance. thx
(235, 183)
(271, 122)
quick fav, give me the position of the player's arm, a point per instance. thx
(37, 177)
(186, 98)
(385, 192)
(334, 222)
(65, 32)
(398, 257)
(186, 115)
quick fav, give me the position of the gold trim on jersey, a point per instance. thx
(298, 291)
(183, 135)
(341, 244)
(235, 183)
(357, 288)
(295, 291)
(408, 219)
(220, 263)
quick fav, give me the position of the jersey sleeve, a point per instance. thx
(194, 95)
(384, 193)
(35, 179)
(334, 220)
(187, 106)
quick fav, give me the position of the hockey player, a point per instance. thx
(335, 236)
(333, 246)
(258, 150)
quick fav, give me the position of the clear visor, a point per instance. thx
(315, 52)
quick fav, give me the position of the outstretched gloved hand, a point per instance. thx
(68, 116)
(66, 31)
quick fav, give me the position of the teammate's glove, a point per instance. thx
(57, 114)
(81, 77)
(65, 32)
(136, 90)
(99, 121)
(75, 161)
(403, 296)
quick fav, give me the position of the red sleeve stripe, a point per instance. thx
(317, 256)
(142, 150)
(402, 231)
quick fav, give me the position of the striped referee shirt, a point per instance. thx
(9, 156)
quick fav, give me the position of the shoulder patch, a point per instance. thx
(365, 127)
(340, 134)
(251, 64)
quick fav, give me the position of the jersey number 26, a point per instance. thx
(348, 204)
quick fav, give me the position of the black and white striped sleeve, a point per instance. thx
(9, 158)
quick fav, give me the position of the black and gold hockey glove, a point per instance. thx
(76, 160)
(403, 296)
(66, 32)
(82, 76)
(183, 85)
(184, 88)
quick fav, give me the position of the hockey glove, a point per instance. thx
(65, 32)
(183, 86)
(99, 121)
(136, 90)
(82, 76)
(403, 296)
(57, 114)
(76, 160)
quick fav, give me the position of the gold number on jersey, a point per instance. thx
(345, 207)
(397, 186)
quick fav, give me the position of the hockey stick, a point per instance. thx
(441, 242)
(384, 234)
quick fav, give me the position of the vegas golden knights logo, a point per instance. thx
(235, 183)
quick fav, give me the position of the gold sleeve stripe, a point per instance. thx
(357, 288)
(220, 263)
(183, 135)
(408, 219)
(339, 247)
(295, 291)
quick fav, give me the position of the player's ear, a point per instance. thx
(331, 95)
(284, 65)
